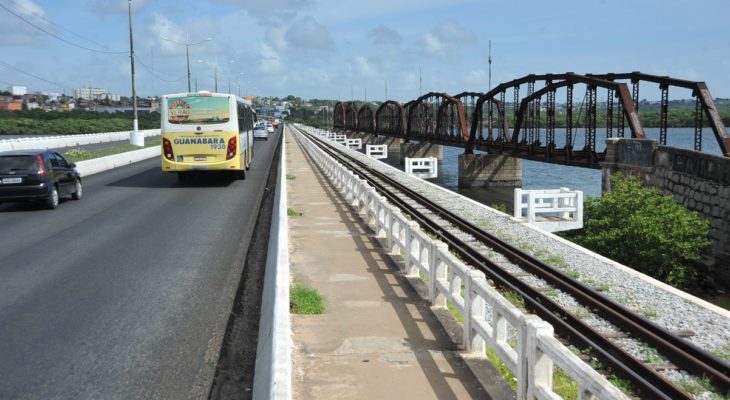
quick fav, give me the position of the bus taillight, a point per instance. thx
(232, 148)
(167, 149)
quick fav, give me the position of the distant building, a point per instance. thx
(91, 93)
(10, 104)
(17, 90)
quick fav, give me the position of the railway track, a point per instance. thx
(646, 380)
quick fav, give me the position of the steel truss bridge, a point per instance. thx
(526, 127)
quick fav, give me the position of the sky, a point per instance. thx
(343, 50)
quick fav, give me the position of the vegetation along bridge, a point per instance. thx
(526, 127)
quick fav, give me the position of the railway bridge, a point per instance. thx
(581, 131)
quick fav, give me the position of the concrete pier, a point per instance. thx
(489, 170)
(420, 150)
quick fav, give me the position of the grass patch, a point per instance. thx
(563, 385)
(514, 298)
(502, 368)
(304, 300)
(457, 315)
(293, 213)
(76, 155)
(290, 177)
(723, 353)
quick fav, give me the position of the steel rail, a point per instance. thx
(683, 353)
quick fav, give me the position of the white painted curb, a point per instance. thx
(96, 165)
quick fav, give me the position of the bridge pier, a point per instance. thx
(421, 150)
(394, 144)
(489, 170)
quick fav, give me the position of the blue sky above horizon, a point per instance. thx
(342, 49)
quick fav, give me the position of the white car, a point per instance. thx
(269, 127)
(259, 132)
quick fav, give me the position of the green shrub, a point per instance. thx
(639, 227)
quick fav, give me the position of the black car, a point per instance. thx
(40, 175)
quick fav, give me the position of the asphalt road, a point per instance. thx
(126, 293)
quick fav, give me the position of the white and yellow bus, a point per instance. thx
(206, 131)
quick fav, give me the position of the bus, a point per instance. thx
(204, 131)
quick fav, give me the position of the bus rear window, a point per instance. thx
(198, 110)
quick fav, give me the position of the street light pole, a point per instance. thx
(135, 138)
(187, 45)
(187, 56)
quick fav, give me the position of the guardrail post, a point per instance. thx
(474, 309)
(436, 271)
(517, 206)
(413, 246)
(531, 206)
(539, 365)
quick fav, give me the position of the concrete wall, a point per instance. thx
(489, 170)
(699, 181)
(421, 150)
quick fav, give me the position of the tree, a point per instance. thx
(645, 230)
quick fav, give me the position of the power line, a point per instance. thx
(56, 36)
(152, 72)
(31, 75)
(35, 14)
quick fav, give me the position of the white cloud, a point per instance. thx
(270, 10)
(365, 69)
(107, 7)
(276, 37)
(307, 35)
(381, 34)
(16, 32)
(444, 38)
(269, 62)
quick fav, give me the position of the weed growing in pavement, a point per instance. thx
(290, 177)
(304, 300)
(293, 213)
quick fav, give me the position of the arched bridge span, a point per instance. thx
(482, 121)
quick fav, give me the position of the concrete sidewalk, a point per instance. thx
(378, 338)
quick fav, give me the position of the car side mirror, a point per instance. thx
(72, 165)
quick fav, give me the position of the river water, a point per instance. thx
(540, 175)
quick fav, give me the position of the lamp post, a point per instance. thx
(187, 45)
(135, 138)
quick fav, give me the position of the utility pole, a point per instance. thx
(490, 66)
(420, 83)
(134, 138)
(386, 90)
(216, 77)
(366, 95)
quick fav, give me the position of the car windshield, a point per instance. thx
(17, 163)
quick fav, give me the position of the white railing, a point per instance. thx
(59, 141)
(560, 209)
(377, 151)
(354, 144)
(524, 343)
(424, 168)
(341, 139)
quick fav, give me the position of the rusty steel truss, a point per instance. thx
(463, 120)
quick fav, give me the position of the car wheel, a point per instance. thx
(78, 192)
(52, 201)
